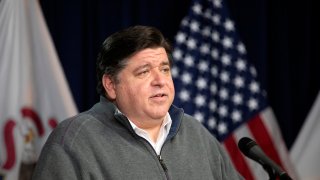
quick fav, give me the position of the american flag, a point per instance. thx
(217, 85)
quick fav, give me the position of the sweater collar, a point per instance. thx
(176, 115)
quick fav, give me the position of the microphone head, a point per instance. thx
(245, 144)
(252, 150)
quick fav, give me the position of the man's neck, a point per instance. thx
(152, 127)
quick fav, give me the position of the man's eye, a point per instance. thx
(142, 73)
(165, 69)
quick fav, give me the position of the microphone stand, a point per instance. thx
(285, 176)
(273, 175)
(270, 171)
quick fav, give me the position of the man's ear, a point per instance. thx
(109, 86)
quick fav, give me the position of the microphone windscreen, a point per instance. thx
(245, 144)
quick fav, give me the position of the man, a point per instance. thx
(134, 132)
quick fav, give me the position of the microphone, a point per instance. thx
(252, 150)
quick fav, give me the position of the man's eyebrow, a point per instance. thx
(164, 63)
(147, 65)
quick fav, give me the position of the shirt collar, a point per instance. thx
(165, 124)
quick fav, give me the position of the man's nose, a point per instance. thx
(158, 78)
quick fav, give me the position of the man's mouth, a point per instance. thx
(159, 95)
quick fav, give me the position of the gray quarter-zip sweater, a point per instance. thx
(101, 144)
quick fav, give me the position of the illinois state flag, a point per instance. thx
(34, 94)
(306, 148)
(217, 85)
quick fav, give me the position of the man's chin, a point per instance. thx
(159, 115)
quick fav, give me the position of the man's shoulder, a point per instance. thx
(99, 114)
(77, 121)
(69, 129)
(192, 122)
(196, 129)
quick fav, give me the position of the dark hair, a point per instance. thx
(118, 47)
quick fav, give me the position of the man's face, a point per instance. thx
(145, 89)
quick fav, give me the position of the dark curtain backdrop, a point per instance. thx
(281, 39)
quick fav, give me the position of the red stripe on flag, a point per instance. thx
(262, 137)
(237, 158)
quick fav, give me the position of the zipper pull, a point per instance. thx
(162, 163)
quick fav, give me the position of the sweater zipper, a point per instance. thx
(161, 161)
(164, 167)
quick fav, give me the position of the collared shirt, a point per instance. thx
(163, 133)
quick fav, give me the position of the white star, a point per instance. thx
(217, 3)
(212, 105)
(215, 36)
(191, 43)
(224, 76)
(240, 65)
(215, 54)
(198, 116)
(174, 71)
(177, 54)
(212, 123)
(188, 61)
(184, 95)
(185, 21)
(204, 49)
(186, 78)
(213, 88)
(241, 48)
(194, 26)
(207, 14)
(227, 42)
(254, 87)
(229, 25)
(236, 116)
(238, 82)
(196, 8)
(223, 111)
(216, 19)
(226, 59)
(203, 66)
(199, 100)
(222, 128)
(237, 99)
(253, 71)
(206, 32)
(214, 71)
(201, 83)
(252, 104)
(223, 93)
(181, 37)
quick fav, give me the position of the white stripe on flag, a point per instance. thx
(256, 169)
(269, 120)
